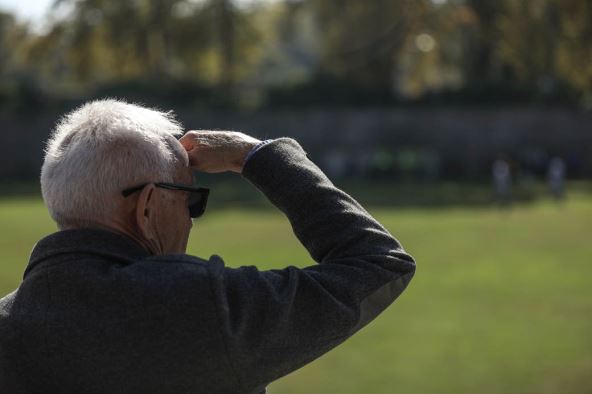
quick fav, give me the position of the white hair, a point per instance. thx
(101, 148)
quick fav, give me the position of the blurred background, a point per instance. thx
(465, 126)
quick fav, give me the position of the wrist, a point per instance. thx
(259, 145)
(244, 152)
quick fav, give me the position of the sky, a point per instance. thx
(35, 10)
(30, 10)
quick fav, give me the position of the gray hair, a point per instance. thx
(100, 149)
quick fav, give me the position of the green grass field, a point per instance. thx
(501, 301)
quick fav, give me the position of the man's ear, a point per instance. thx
(145, 209)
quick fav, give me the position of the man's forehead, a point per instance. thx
(185, 175)
(178, 150)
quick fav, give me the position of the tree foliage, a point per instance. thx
(405, 49)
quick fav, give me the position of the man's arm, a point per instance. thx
(276, 321)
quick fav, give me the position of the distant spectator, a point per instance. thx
(556, 177)
(502, 181)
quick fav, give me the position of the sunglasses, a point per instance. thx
(197, 201)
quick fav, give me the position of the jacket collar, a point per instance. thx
(115, 246)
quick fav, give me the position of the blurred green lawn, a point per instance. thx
(501, 302)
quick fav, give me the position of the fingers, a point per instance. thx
(217, 151)
(198, 146)
(189, 140)
(208, 150)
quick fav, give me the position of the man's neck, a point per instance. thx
(116, 227)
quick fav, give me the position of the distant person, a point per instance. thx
(112, 304)
(502, 181)
(556, 178)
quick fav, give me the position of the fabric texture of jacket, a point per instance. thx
(96, 313)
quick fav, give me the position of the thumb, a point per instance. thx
(188, 141)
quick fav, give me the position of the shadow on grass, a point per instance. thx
(237, 192)
(231, 190)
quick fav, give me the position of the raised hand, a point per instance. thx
(217, 151)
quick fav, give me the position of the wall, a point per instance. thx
(464, 141)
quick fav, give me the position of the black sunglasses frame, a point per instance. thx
(198, 199)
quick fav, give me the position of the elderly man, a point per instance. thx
(111, 304)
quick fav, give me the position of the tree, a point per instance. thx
(361, 40)
(481, 65)
(573, 58)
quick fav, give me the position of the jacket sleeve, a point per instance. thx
(276, 321)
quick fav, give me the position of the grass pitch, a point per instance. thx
(501, 301)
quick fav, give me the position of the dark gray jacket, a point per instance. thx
(96, 313)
